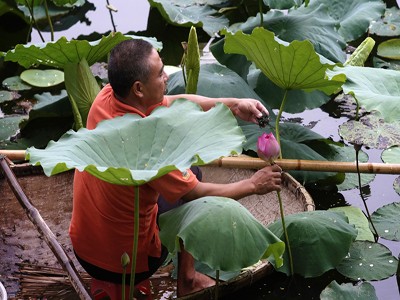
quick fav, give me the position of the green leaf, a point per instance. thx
(170, 138)
(388, 25)
(15, 83)
(239, 240)
(371, 131)
(8, 96)
(363, 291)
(386, 221)
(360, 55)
(58, 54)
(358, 219)
(42, 78)
(9, 126)
(368, 261)
(374, 89)
(191, 13)
(389, 49)
(293, 66)
(82, 89)
(319, 241)
(353, 16)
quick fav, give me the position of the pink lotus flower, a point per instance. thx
(268, 147)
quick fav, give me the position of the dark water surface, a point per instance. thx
(132, 16)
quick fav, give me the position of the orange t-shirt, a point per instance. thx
(102, 221)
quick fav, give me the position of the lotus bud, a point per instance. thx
(125, 260)
(268, 147)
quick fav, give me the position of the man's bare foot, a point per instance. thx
(199, 282)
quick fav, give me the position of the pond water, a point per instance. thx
(132, 16)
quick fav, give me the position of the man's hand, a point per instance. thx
(267, 179)
(249, 110)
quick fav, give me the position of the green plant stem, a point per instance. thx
(30, 8)
(135, 243)
(285, 233)
(278, 117)
(376, 235)
(260, 4)
(123, 283)
(49, 20)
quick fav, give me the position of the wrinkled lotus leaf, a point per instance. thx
(131, 150)
(8, 96)
(371, 131)
(358, 219)
(347, 153)
(386, 220)
(302, 23)
(319, 241)
(42, 78)
(289, 66)
(374, 89)
(388, 25)
(9, 126)
(57, 54)
(353, 16)
(389, 49)
(368, 261)
(238, 240)
(15, 83)
(191, 13)
(363, 291)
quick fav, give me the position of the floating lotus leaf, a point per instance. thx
(131, 150)
(15, 83)
(371, 131)
(238, 240)
(363, 291)
(8, 96)
(42, 78)
(386, 220)
(391, 155)
(374, 89)
(389, 49)
(388, 25)
(358, 219)
(368, 261)
(9, 126)
(319, 241)
(289, 66)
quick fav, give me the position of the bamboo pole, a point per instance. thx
(34, 215)
(247, 162)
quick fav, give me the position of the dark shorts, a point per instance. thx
(105, 275)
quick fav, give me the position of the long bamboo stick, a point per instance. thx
(247, 162)
(34, 215)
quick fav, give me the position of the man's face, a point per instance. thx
(155, 87)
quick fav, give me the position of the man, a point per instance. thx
(101, 228)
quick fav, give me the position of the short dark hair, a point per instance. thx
(128, 62)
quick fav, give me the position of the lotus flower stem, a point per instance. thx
(260, 7)
(135, 243)
(49, 20)
(278, 117)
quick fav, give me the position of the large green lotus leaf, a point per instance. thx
(238, 240)
(82, 89)
(58, 54)
(301, 24)
(297, 100)
(358, 219)
(368, 261)
(388, 25)
(42, 78)
(131, 150)
(15, 83)
(371, 131)
(374, 89)
(353, 16)
(363, 291)
(189, 13)
(319, 241)
(293, 66)
(386, 220)
(389, 49)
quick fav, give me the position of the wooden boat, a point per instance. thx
(30, 268)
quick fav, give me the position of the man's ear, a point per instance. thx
(137, 89)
